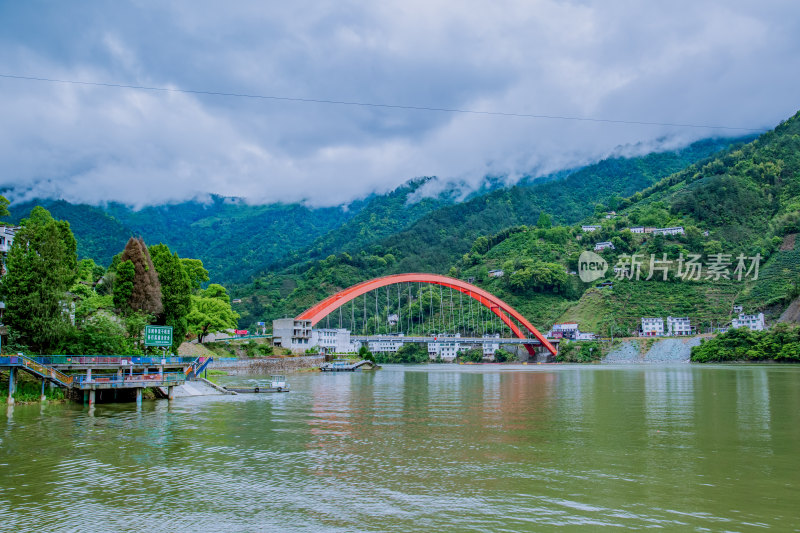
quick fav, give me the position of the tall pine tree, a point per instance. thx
(146, 292)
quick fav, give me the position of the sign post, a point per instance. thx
(158, 336)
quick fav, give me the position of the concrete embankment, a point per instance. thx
(267, 365)
(194, 388)
(673, 350)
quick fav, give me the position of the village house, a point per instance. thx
(603, 245)
(636, 229)
(652, 327)
(566, 330)
(445, 347)
(590, 228)
(678, 326)
(496, 273)
(678, 230)
(387, 345)
(753, 322)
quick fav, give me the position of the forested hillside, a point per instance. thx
(438, 240)
(235, 240)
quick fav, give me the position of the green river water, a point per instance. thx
(436, 448)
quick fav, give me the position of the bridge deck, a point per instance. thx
(462, 340)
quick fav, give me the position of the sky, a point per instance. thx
(731, 63)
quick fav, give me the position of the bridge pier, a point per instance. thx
(170, 392)
(138, 396)
(12, 385)
(91, 398)
(42, 398)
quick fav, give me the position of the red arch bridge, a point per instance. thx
(524, 332)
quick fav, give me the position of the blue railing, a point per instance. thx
(10, 360)
(99, 359)
(126, 379)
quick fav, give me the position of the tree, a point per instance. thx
(123, 286)
(176, 290)
(475, 355)
(196, 271)
(146, 293)
(211, 312)
(544, 221)
(41, 267)
(501, 355)
(4, 207)
(365, 354)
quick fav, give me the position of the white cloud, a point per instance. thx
(727, 63)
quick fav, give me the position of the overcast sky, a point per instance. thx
(730, 63)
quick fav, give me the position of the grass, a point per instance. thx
(29, 390)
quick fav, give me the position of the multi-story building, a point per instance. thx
(6, 240)
(489, 347)
(590, 228)
(292, 334)
(637, 229)
(332, 340)
(445, 346)
(567, 330)
(678, 326)
(387, 345)
(652, 327)
(753, 322)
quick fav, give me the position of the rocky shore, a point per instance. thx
(672, 350)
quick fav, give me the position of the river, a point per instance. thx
(435, 447)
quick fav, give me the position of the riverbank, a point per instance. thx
(668, 350)
(268, 365)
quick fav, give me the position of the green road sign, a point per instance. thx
(158, 335)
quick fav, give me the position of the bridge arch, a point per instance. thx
(485, 298)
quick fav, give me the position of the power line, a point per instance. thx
(375, 105)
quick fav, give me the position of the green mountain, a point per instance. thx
(437, 241)
(234, 239)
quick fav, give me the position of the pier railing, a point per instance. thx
(128, 380)
(45, 371)
(112, 359)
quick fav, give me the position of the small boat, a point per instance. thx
(276, 383)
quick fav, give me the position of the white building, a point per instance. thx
(753, 322)
(590, 228)
(7, 237)
(446, 347)
(392, 319)
(636, 229)
(603, 245)
(390, 344)
(292, 334)
(333, 340)
(581, 336)
(496, 273)
(678, 326)
(652, 327)
(678, 230)
(490, 347)
(6, 240)
(567, 330)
